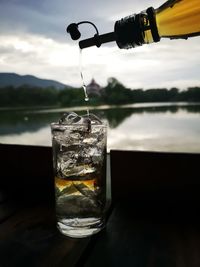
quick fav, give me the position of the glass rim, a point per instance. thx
(57, 124)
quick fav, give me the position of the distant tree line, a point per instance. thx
(114, 93)
(27, 96)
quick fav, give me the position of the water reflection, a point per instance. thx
(17, 122)
(165, 126)
(115, 116)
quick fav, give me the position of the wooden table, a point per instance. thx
(153, 219)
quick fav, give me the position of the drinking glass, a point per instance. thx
(79, 162)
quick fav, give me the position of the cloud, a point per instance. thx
(43, 57)
(167, 64)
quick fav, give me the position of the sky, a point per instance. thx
(33, 40)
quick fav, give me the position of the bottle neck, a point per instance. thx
(137, 30)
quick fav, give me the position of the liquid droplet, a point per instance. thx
(85, 92)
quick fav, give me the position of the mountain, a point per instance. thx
(16, 80)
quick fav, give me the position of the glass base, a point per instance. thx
(80, 227)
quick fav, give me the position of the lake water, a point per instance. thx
(151, 127)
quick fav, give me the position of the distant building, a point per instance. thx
(94, 88)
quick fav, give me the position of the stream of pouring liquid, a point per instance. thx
(84, 88)
(82, 79)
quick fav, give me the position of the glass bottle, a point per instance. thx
(174, 19)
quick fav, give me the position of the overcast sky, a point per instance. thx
(33, 41)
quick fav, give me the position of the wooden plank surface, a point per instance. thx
(133, 238)
(30, 238)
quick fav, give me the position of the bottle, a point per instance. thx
(174, 19)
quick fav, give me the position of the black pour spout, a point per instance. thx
(97, 40)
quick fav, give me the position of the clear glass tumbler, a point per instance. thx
(79, 158)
